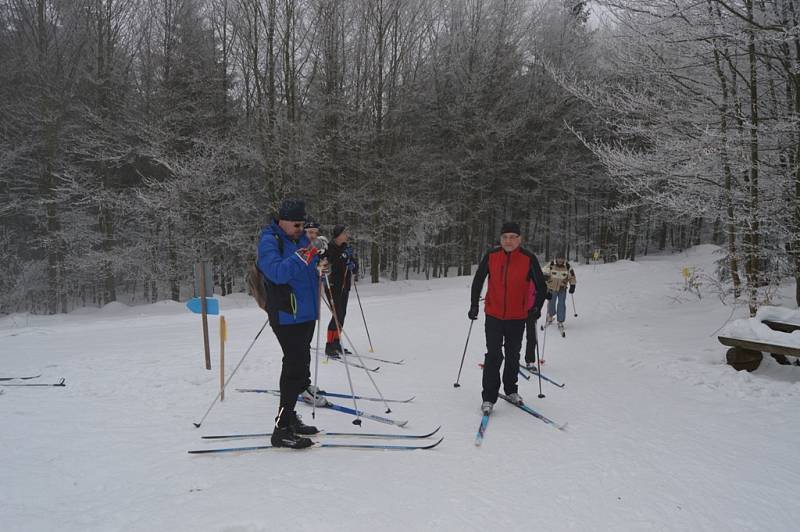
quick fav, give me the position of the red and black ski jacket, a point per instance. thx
(507, 297)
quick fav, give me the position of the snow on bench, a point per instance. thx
(773, 330)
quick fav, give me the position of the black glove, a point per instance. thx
(535, 313)
(572, 289)
(473, 313)
(549, 294)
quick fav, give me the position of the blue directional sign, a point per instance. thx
(212, 305)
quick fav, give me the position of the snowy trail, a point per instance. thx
(662, 435)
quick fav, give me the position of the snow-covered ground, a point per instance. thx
(662, 434)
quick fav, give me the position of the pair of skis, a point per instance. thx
(338, 408)
(522, 406)
(360, 446)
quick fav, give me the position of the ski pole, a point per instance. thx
(573, 305)
(316, 354)
(539, 361)
(539, 366)
(357, 420)
(358, 297)
(366, 370)
(197, 425)
(456, 384)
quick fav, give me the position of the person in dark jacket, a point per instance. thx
(343, 266)
(312, 229)
(289, 263)
(507, 305)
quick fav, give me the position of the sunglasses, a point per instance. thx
(298, 225)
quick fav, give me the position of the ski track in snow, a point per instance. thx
(662, 434)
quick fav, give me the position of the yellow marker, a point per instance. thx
(686, 272)
(223, 329)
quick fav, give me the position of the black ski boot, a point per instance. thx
(337, 345)
(332, 350)
(297, 426)
(285, 435)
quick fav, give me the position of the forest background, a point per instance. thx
(140, 136)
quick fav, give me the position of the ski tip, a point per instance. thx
(201, 451)
(402, 424)
(434, 431)
(431, 446)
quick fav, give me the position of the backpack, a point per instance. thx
(257, 283)
(257, 286)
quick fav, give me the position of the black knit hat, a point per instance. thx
(311, 224)
(510, 227)
(292, 210)
(338, 229)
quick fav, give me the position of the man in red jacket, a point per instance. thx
(507, 306)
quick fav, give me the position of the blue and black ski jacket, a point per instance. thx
(292, 285)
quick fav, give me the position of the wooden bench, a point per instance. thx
(781, 326)
(747, 354)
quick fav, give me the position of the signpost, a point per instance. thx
(223, 337)
(204, 287)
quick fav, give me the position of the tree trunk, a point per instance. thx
(753, 239)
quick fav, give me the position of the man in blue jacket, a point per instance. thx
(289, 260)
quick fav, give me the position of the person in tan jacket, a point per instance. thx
(560, 277)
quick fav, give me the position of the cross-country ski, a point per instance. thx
(330, 394)
(325, 445)
(390, 436)
(20, 378)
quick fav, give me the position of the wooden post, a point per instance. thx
(204, 315)
(223, 337)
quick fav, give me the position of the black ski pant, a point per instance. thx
(340, 298)
(530, 340)
(295, 341)
(501, 336)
